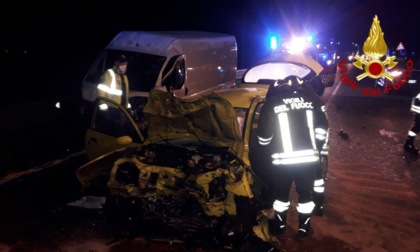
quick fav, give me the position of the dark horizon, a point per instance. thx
(63, 38)
(88, 27)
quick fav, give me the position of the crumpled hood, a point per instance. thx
(209, 119)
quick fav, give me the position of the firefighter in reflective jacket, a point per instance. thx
(415, 127)
(114, 84)
(293, 127)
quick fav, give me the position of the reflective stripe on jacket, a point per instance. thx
(111, 86)
(415, 104)
(294, 126)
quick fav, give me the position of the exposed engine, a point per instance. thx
(193, 189)
(190, 159)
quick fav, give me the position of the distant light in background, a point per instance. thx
(220, 69)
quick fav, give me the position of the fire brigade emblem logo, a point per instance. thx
(375, 48)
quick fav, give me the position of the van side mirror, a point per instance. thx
(179, 73)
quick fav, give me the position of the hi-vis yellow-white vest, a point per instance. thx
(114, 87)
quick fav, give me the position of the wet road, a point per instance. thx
(372, 191)
(373, 187)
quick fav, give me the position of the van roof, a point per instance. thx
(160, 42)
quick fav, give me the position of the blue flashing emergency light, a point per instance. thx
(273, 42)
(309, 38)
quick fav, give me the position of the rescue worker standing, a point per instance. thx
(415, 127)
(114, 84)
(293, 129)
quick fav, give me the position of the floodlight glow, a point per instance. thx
(296, 45)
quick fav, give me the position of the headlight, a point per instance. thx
(103, 107)
(296, 45)
(395, 73)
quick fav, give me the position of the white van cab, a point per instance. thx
(186, 62)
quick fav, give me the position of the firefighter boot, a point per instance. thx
(305, 228)
(319, 204)
(278, 224)
(409, 145)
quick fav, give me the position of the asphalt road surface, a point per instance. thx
(372, 191)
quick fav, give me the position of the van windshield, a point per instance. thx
(142, 69)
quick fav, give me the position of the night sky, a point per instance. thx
(65, 36)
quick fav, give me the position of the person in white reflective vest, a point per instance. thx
(114, 84)
(415, 127)
(293, 130)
